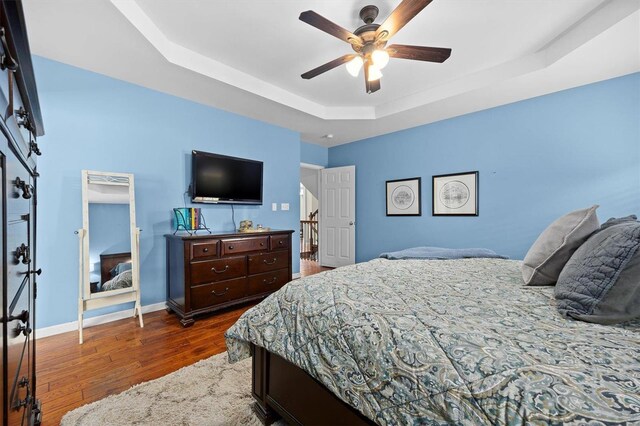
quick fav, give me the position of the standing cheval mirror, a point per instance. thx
(109, 243)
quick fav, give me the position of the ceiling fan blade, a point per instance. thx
(399, 18)
(328, 66)
(323, 24)
(370, 86)
(419, 53)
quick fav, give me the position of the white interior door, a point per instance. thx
(337, 242)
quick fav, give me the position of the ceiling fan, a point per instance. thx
(370, 40)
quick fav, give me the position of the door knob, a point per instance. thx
(351, 223)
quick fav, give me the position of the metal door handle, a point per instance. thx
(226, 267)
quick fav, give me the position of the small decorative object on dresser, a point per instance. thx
(207, 273)
(455, 194)
(403, 197)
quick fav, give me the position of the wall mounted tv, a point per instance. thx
(221, 179)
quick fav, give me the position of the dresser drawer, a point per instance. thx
(218, 270)
(208, 248)
(19, 187)
(243, 245)
(207, 295)
(277, 242)
(268, 282)
(18, 379)
(18, 352)
(18, 252)
(268, 261)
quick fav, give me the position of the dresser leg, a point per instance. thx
(187, 322)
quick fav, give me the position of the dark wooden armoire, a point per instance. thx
(21, 124)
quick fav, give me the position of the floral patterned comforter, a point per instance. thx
(448, 341)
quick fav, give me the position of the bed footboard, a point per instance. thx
(283, 390)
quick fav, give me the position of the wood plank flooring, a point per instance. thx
(118, 355)
(310, 267)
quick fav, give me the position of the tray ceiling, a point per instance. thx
(247, 56)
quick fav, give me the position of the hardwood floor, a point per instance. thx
(310, 267)
(118, 355)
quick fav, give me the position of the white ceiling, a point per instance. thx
(247, 56)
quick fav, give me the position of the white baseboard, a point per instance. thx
(93, 321)
(103, 319)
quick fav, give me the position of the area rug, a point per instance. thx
(210, 392)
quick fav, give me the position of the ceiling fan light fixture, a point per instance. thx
(380, 58)
(354, 65)
(374, 73)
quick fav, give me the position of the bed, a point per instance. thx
(435, 342)
(115, 272)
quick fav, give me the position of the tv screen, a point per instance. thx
(222, 179)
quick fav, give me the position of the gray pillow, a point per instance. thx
(553, 248)
(618, 220)
(601, 281)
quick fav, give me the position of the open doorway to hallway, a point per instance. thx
(309, 207)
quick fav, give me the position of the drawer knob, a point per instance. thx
(220, 294)
(230, 247)
(281, 242)
(24, 329)
(23, 117)
(22, 316)
(22, 252)
(205, 250)
(271, 281)
(34, 149)
(266, 262)
(261, 244)
(226, 268)
(6, 60)
(24, 187)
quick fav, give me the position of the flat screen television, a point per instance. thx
(221, 179)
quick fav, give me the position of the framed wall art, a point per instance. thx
(455, 194)
(403, 197)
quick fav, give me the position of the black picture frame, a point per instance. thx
(474, 193)
(415, 186)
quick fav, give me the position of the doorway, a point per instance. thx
(309, 208)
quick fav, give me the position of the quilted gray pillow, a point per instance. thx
(553, 248)
(601, 281)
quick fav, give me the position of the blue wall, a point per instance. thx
(314, 154)
(537, 159)
(96, 122)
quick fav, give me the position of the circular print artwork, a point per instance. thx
(454, 194)
(402, 197)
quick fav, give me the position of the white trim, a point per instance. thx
(597, 21)
(311, 166)
(98, 320)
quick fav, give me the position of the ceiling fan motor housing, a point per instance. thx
(367, 32)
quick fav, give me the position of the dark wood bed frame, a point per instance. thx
(282, 390)
(109, 261)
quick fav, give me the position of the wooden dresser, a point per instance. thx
(206, 273)
(21, 123)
